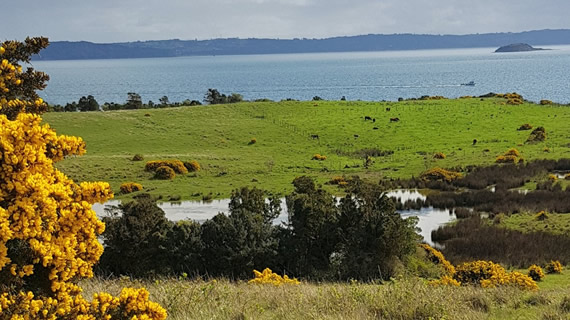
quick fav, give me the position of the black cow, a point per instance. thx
(387, 109)
(314, 136)
(394, 119)
(474, 141)
(367, 118)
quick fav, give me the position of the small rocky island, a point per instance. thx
(518, 47)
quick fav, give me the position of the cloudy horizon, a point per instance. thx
(138, 20)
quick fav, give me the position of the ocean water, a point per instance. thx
(370, 76)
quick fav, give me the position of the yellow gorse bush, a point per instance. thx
(440, 174)
(437, 257)
(553, 267)
(319, 157)
(176, 165)
(129, 187)
(535, 272)
(48, 230)
(489, 275)
(268, 277)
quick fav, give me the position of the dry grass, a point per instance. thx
(406, 299)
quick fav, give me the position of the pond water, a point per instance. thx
(429, 218)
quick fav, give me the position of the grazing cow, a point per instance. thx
(314, 136)
(374, 120)
(474, 141)
(387, 109)
(375, 128)
(356, 136)
(394, 119)
(367, 118)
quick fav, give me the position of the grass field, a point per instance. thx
(556, 223)
(219, 136)
(410, 298)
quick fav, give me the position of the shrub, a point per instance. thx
(338, 180)
(537, 135)
(553, 267)
(488, 275)
(545, 102)
(541, 216)
(439, 174)
(48, 230)
(437, 257)
(164, 173)
(535, 272)
(525, 126)
(192, 166)
(567, 176)
(319, 157)
(510, 156)
(176, 165)
(552, 177)
(252, 141)
(317, 98)
(137, 157)
(129, 187)
(445, 281)
(439, 155)
(269, 277)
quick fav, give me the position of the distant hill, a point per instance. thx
(64, 50)
(518, 47)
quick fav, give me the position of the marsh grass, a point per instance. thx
(409, 299)
(215, 135)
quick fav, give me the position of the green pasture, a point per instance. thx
(218, 137)
(527, 222)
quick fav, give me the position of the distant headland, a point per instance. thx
(518, 47)
(66, 50)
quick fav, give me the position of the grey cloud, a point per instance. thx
(130, 20)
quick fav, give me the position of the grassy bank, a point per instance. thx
(219, 138)
(403, 299)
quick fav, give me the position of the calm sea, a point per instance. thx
(356, 75)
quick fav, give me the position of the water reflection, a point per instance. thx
(429, 218)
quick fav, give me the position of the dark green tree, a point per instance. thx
(313, 217)
(134, 239)
(134, 101)
(88, 104)
(213, 96)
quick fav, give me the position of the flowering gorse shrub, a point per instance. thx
(252, 141)
(129, 187)
(553, 267)
(164, 173)
(544, 102)
(445, 281)
(319, 157)
(489, 275)
(437, 257)
(267, 276)
(510, 156)
(537, 135)
(439, 155)
(435, 174)
(48, 231)
(176, 165)
(541, 216)
(192, 166)
(535, 272)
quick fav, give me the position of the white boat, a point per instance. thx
(470, 83)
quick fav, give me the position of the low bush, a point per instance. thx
(439, 174)
(545, 102)
(541, 216)
(535, 272)
(319, 157)
(537, 135)
(164, 173)
(489, 275)
(252, 141)
(269, 277)
(525, 126)
(129, 187)
(437, 257)
(510, 156)
(553, 267)
(137, 157)
(338, 180)
(439, 155)
(176, 165)
(192, 166)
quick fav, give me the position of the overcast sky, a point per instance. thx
(131, 20)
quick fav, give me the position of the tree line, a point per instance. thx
(360, 237)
